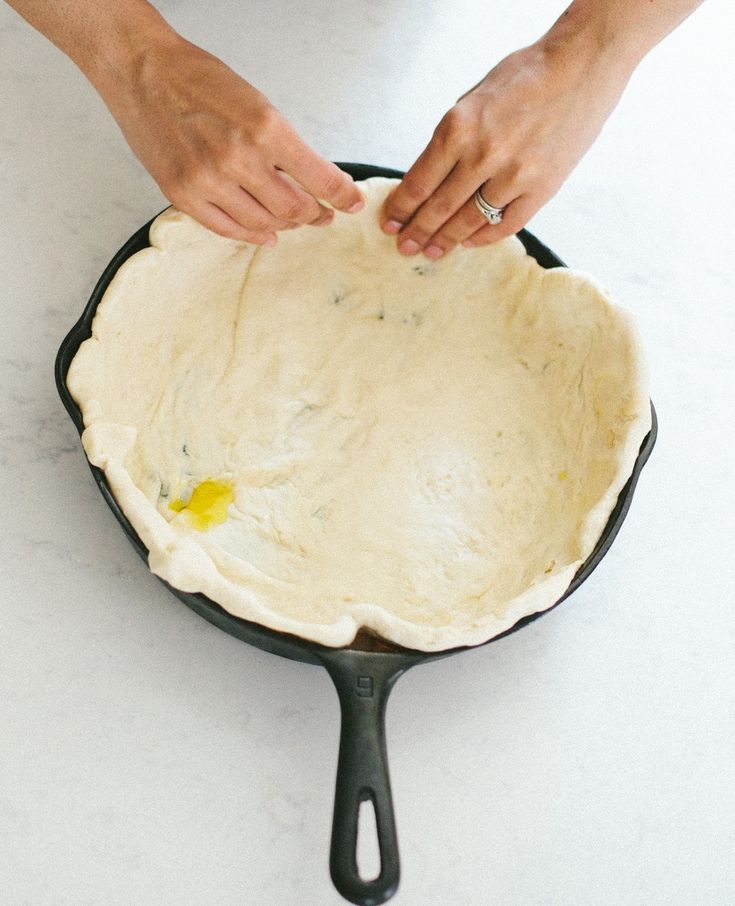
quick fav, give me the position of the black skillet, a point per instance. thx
(363, 672)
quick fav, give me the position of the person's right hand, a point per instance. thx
(218, 148)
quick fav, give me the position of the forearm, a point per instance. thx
(620, 31)
(105, 38)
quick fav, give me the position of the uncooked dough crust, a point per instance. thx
(426, 449)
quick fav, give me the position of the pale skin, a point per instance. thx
(221, 152)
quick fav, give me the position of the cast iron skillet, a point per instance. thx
(363, 672)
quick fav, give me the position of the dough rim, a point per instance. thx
(171, 555)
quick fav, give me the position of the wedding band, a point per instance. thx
(494, 215)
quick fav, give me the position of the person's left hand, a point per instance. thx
(516, 135)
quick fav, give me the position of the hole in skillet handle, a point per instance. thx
(368, 848)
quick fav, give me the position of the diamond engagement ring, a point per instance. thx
(494, 215)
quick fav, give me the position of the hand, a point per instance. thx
(517, 135)
(218, 149)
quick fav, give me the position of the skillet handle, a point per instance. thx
(363, 682)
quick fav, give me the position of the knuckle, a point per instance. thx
(257, 238)
(237, 165)
(454, 118)
(513, 173)
(443, 208)
(296, 210)
(259, 223)
(534, 172)
(447, 125)
(325, 216)
(517, 169)
(485, 158)
(334, 186)
(188, 182)
(449, 236)
(454, 125)
(265, 126)
(229, 151)
(481, 159)
(414, 188)
(233, 233)
(399, 209)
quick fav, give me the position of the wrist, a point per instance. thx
(110, 57)
(590, 39)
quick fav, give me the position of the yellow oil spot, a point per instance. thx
(563, 475)
(207, 505)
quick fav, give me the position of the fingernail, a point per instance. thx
(270, 242)
(392, 227)
(468, 244)
(433, 251)
(409, 247)
(357, 206)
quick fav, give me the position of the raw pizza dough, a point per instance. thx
(426, 449)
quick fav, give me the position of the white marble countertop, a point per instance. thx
(149, 758)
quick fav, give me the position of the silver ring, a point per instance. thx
(489, 211)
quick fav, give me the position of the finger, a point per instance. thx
(214, 218)
(319, 177)
(241, 207)
(287, 200)
(431, 168)
(468, 220)
(456, 190)
(515, 217)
